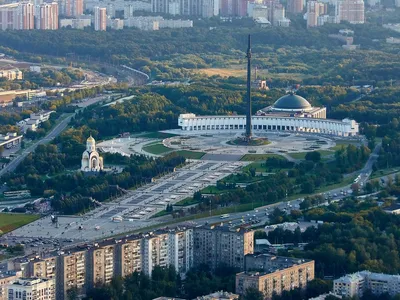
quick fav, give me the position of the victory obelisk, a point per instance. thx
(248, 133)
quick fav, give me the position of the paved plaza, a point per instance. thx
(134, 210)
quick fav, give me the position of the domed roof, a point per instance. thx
(292, 101)
(90, 139)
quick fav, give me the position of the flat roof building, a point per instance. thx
(32, 289)
(354, 285)
(215, 245)
(274, 274)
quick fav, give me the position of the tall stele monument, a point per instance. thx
(248, 134)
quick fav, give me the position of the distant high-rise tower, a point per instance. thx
(25, 16)
(312, 13)
(48, 16)
(100, 18)
(295, 6)
(248, 112)
(352, 11)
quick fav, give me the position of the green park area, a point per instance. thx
(9, 222)
(156, 148)
(255, 157)
(190, 154)
(302, 155)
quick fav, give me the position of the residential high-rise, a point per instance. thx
(48, 16)
(100, 18)
(181, 250)
(100, 265)
(215, 245)
(32, 288)
(77, 8)
(352, 11)
(129, 257)
(8, 16)
(155, 252)
(295, 6)
(25, 16)
(312, 13)
(42, 268)
(273, 274)
(233, 8)
(71, 272)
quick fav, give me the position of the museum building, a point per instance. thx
(290, 113)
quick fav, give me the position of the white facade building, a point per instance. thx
(91, 160)
(32, 289)
(355, 284)
(290, 113)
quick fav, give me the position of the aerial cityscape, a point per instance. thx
(200, 149)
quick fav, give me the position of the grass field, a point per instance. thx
(157, 148)
(384, 172)
(190, 154)
(9, 222)
(254, 157)
(343, 143)
(240, 71)
(258, 165)
(186, 202)
(302, 155)
(157, 135)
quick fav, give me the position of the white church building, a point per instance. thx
(91, 160)
(291, 113)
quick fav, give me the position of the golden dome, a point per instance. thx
(90, 139)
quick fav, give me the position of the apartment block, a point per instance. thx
(11, 73)
(42, 268)
(354, 285)
(129, 257)
(6, 279)
(215, 245)
(47, 17)
(273, 274)
(352, 11)
(295, 6)
(181, 250)
(100, 18)
(100, 265)
(25, 16)
(32, 289)
(155, 252)
(71, 272)
(8, 16)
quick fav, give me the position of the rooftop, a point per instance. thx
(393, 207)
(292, 101)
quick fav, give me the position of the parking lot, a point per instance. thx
(133, 210)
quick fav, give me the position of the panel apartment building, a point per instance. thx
(86, 265)
(274, 274)
(215, 245)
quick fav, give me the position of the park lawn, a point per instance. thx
(157, 135)
(254, 157)
(258, 165)
(190, 154)
(212, 189)
(186, 202)
(157, 148)
(9, 222)
(302, 155)
(343, 143)
(160, 214)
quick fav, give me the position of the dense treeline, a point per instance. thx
(355, 236)
(303, 178)
(173, 54)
